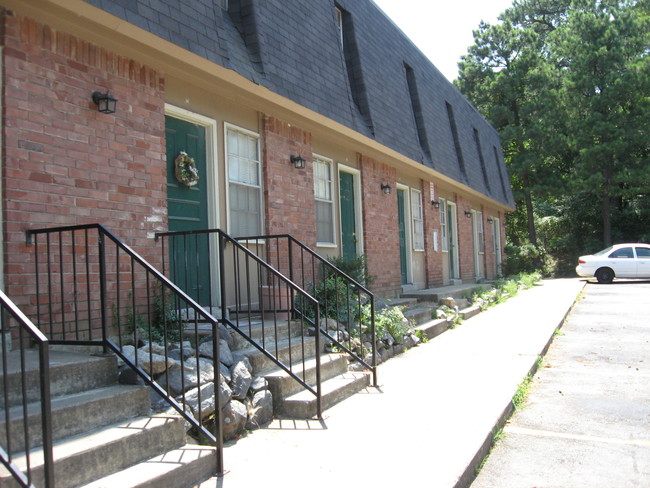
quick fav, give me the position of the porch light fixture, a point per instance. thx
(298, 162)
(105, 102)
(490, 220)
(386, 189)
(468, 214)
(435, 203)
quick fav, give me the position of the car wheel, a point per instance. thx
(605, 275)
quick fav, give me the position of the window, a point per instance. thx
(444, 228)
(339, 23)
(244, 182)
(624, 252)
(324, 200)
(480, 232)
(418, 221)
(642, 252)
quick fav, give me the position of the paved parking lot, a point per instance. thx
(587, 421)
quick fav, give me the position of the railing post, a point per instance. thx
(319, 390)
(102, 289)
(374, 341)
(46, 415)
(217, 354)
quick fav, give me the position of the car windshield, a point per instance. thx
(604, 251)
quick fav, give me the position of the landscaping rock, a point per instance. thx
(187, 377)
(448, 302)
(235, 416)
(153, 364)
(241, 380)
(261, 410)
(259, 384)
(207, 406)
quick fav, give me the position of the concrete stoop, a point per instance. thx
(298, 354)
(102, 430)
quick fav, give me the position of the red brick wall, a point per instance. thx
(64, 162)
(465, 240)
(288, 192)
(380, 226)
(433, 259)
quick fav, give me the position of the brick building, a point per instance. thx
(397, 164)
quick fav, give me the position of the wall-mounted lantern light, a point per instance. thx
(298, 161)
(386, 189)
(468, 214)
(105, 102)
(490, 220)
(435, 203)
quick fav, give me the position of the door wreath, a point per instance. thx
(185, 169)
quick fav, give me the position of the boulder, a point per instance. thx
(261, 410)
(259, 384)
(207, 405)
(448, 302)
(235, 416)
(241, 380)
(153, 364)
(205, 350)
(187, 377)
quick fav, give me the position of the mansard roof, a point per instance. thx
(375, 81)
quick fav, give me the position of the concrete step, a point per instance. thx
(288, 352)
(302, 405)
(419, 315)
(87, 457)
(267, 330)
(69, 373)
(282, 385)
(456, 292)
(78, 412)
(180, 468)
(433, 328)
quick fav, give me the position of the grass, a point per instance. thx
(523, 390)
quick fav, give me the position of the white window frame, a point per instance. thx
(417, 220)
(338, 14)
(356, 174)
(444, 226)
(231, 127)
(317, 159)
(480, 231)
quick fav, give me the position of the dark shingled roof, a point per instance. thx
(292, 47)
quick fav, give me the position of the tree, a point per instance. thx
(601, 52)
(567, 85)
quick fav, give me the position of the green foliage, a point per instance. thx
(155, 324)
(567, 84)
(337, 300)
(389, 320)
(356, 268)
(523, 390)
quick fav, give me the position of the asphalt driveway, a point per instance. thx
(587, 418)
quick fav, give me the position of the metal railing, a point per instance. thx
(347, 307)
(22, 386)
(94, 290)
(266, 310)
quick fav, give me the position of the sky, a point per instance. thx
(442, 30)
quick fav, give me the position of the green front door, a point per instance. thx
(401, 217)
(187, 209)
(348, 216)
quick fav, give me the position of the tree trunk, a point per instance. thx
(532, 233)
(607, 209)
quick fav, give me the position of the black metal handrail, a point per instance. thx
(16, 396)
(341, 298)
(94, 290)
(264, 307)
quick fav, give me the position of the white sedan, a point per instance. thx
(618, 261)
